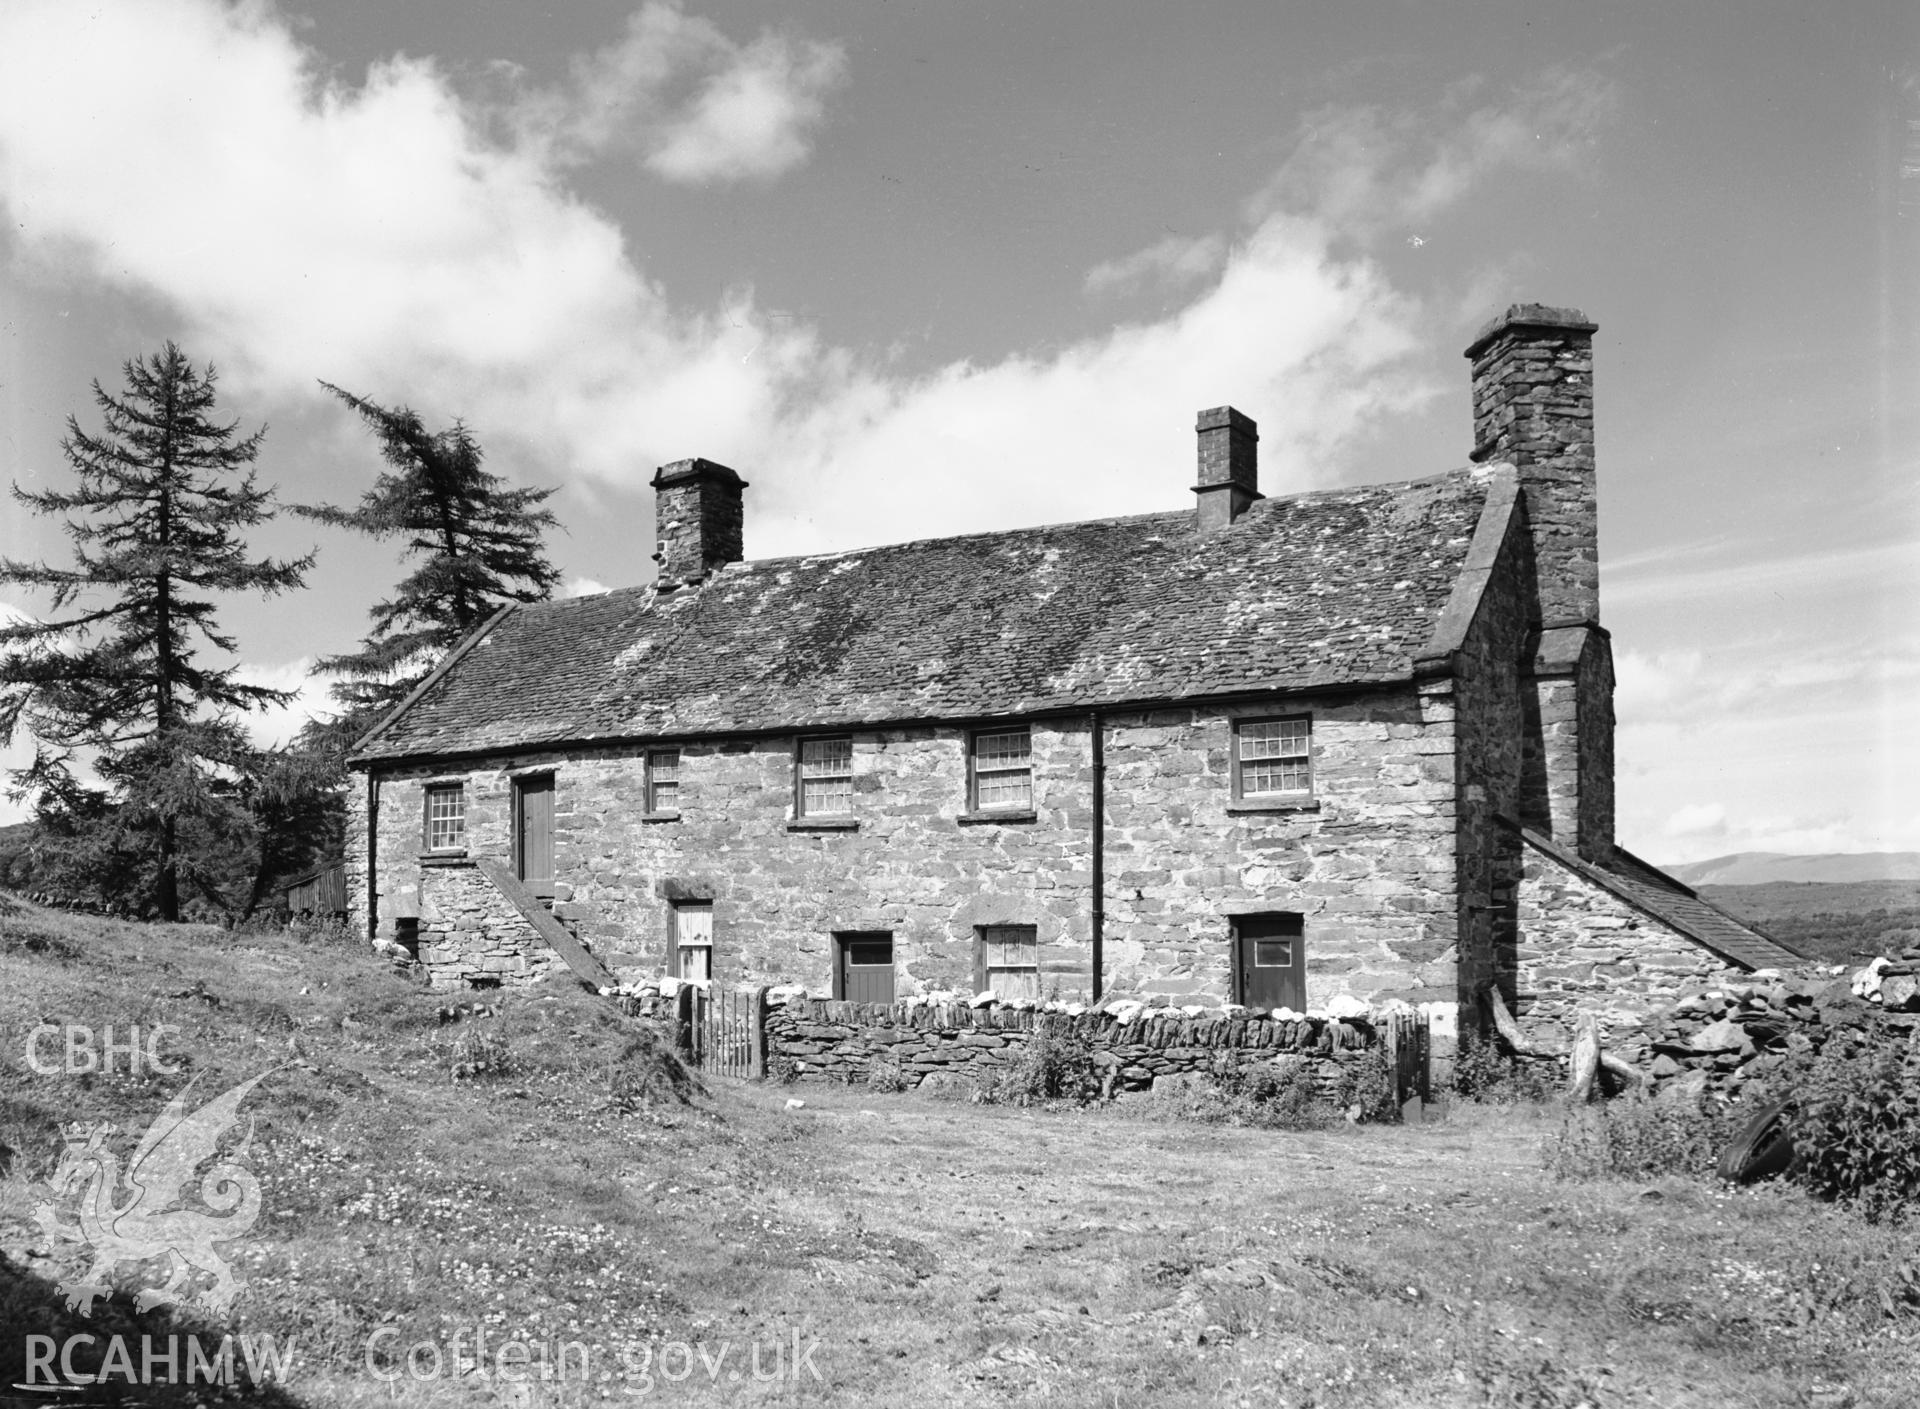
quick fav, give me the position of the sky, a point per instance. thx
(923, 268)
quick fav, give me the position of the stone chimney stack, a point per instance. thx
(698, 510)
(1533, 407)
(1229, 467)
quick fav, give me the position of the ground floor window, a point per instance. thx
(692, 939)
(1007, 961)
(1270, 960)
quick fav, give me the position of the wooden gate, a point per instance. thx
(723, 1032)
(1409, 1048)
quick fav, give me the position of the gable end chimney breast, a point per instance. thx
(699, 512)
(1533, 407)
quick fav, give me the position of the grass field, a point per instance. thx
(921, 1251)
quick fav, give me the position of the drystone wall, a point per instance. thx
(832, 1041)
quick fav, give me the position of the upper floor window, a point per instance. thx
(1272, 756)
(826, 777)
(1002, 770)
(663, 780)
(446, 817)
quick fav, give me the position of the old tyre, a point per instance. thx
(1762, 1148)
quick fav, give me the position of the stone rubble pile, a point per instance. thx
(1734, 1035)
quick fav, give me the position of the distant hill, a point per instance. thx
(1754, 868)
(1837, 922)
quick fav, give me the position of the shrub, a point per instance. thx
(1264, 1096)
(1856, 1132)
(1053, 1065)
(885, 1074)
(481, 1054)
(1483, 1072)
(1369, 1086)
(647, 1072)
(782, 1070)
(1634, 1136)
(1284, 1097)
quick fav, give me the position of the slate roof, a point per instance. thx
(1675, 904)
(1330, 588)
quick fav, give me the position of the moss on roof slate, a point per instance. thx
(1331, 588)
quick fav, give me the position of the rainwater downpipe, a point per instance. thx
(373, 857)
(1099, 854)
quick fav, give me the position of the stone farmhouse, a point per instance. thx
(1257, 751)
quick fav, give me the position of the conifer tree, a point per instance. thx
(478, 546)
(122, 686)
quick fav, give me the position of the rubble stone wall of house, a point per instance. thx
(354, 859)
(1584, 949)
(1369, 862)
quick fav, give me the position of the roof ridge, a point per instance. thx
(1263, 508)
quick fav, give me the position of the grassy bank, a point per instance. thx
(935, 1252)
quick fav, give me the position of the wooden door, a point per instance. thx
(693, 939)
(533, 833)
(866, 968)
(1270, 961)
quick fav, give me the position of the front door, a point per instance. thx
(866, 968)
(533, 833)
(1270, 961)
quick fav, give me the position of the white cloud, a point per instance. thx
(1372, 171)
(1678, 575)
(1171, 263)
(1800, 749)
(1698, 819)
(385, 236)
(695, 105)
(277, 724)
(583, 587)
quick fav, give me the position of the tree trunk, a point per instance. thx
(168, 889)
(1583, 1066)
